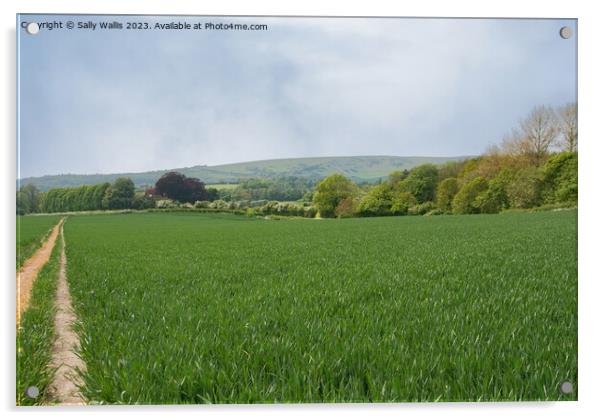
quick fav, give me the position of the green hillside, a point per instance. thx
(358, 168)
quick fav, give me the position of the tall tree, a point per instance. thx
(331, 191)
(28, 199)
(567, 125)
(179, 187)
(534, 137)
(446, 191)
(119, 195)
(421, 182)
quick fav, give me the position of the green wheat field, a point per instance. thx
(208, 308)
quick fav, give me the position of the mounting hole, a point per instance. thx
(566, 32)
(566, 387)
(32, 392)
(32, 28)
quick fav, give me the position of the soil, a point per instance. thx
(67, 380)
(30, 269)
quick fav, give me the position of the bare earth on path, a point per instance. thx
(65, 385)
(30, 269)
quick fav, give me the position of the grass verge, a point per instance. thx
(36, 334)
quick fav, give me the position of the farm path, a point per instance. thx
(30, 269)
(65, 385)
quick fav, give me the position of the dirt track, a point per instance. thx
(30, 269)
(65, 385)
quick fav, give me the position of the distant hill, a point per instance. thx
(358, 168)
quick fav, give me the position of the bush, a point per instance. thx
(219, 205)
(202, 204)
(166, 204)
(435, 212)
(421, 209)
(141, 202)
(347, 208)
(310, 212)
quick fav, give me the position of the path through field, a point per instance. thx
(29, 271)
(65, 385)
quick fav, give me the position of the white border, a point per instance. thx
(590, 280)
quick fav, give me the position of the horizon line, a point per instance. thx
(243, 162)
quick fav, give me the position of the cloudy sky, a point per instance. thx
(135, 100)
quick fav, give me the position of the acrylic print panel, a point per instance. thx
(296, 210)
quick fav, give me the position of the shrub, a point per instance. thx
(219, 205)
(166, 204)
(202, 204)
(310, 212)
(347, 208)
(141, 202)
(421, 209)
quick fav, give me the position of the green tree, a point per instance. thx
(330, 191)
(524, 190)
(465, 202)
(98, 195)
(378, 201)
(494, 198)
(28, 199)
(396, 176)
(421, 182)
(451, 169)
(119, 195)
(559, 184)
(446, 191)
(401, 202)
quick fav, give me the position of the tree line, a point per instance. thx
(106, 196)
(286, 188)
(535, 165)
(120, 194)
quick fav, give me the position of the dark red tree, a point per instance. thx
(179, 187)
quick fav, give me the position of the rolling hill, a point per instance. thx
(358, 168)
